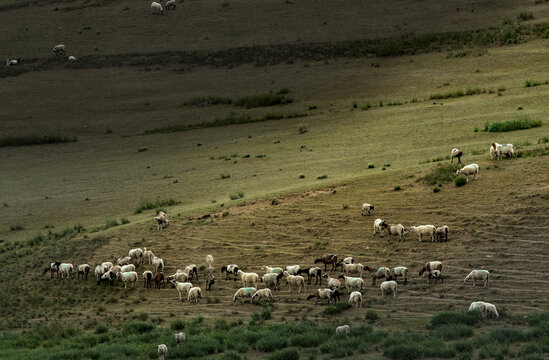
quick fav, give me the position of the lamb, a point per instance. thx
(158, 264)
(343, 330)
(156, 8)
(161, 219)
(180, 276)
(170, 5)
(271, 278)
(434, 276)
(248, 278)
(136, 254)
(441, 233)
(479, 306)
(129, 277)
(471, 169)
(276, 270)
(263, 293)
(333, 283)
(400, 271)
(430, 266)
(147, 279)
(83, 270)
(191, 270)
(395, 229)
(162, 351)
(456, 153)
(387, 287)
(148, 254)
(182, 286)
(125, 260)
(347, 260)
(321, 294)
(179, 338)
(382, 272)
(158, 279)
(210, 280)
(379, 225)
(421, 230)
(293, 269)
(66, 271)
(294, 280)
(355, 299)
(210, 261)
(327, 259)
(230, 269)
(478, 275)
(244, 292)
(194, 294)
(13, 62)
(352, 282)
(59, 49)
(367, 208)
(127, 268)
(353, 268)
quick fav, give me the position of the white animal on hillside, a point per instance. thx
(162, 351)
(107, 265)
(295, 280)
(83, 270)
(333, 283)
(170, 5)
(99, 271)
(148, 254)
(498, 150)
(156, 8)
(129, 277)
(435, 276)
(366, 209)
(478, 275)
(353, 269)
(244, 292)
(158, 264)
(395, 229)
(136, 254)
(400, 271)
(352, 282)
(210, 261)
(246, 278)
(13, 62)
(275, 270)
(380, 273)
(388, 287)
(195, 294)
(182, 287)
(263, 294)
(432, 265)
(379, 225)
(125, 260)
(441, 233)
(479, 306)
(270, 278)
(179, 338)
(71, 58)
(343, 330)
(490, 310)
(456, 153)
(59, 49)
(161, 219)
(427, 230)
(127, 268)
(471, 169)
(180, 276)
(355, 299)
(321, 294)
(293, 269)
(66, 271)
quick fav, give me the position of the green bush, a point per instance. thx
(469, 318)
(397, 188)
(371, 166)
(460, 180)
(403, 351)
(24, 140)
(436, 189)
(124, 220)
(271, 343)
(286, 354)
(453, 331)
(229, 355)
(101, 329)
(262, 100)
(512, 125)
(441, 174)
(138, 327)
(320, 177)
(543, 140)
(371, 315)
(148, 205)
(337, 309)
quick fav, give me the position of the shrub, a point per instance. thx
(101, 329)
(371, 315)
(512, 125)
(524, 16)
(271, 343)
(371, 166)
(111, 223)
(286, 354)
(148, 205)
(397, 188)
(403, 351)
(441, 174)
(24, 140)
(225, 213)
(16, 227)
(453, 332)
(137, 327)
(301, 176)
(177, 325)
(142, 149)
(454, 318)
(262, 100)
(320, 177)
(436, 189)
(124, 220)
(225, 176)
(543, 140)
(460, 180)
(303, 130)
(337, 309)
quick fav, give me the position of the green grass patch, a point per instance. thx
(148, 205)
(208, 100)
(24, 140)
(337, 309)
(262, 100)
(512, 125)
(441, 174)
(457, 93)
(469, 318)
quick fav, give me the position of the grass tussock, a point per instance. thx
(512, 125)
(25, 140)
(457, 93)
(533, 83)
(149, 205)
(441, 174)
(262, 100)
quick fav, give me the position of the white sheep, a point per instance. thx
(179, 338)
(379, 273)
(66, 271)
(321, 294)
(161, 219)
(59, 49)
(343, 330)
(479, 306)
(162, 351)
(400, 271)
(191, 270)
(355, 299)
(127, 268)
(13, 62)
(147, 279)
(395, 229)
(456, 153)
(170, 5)
(353, 269)
(347, 260)
(210, 261)
(230, 269)
(478, 275)
(295, 280)
(156, 8)
(99, 271)
(182, 287)
(366, 209)
(129, 277)
(244, 292)
(148, 254)
(248, 278)
(428, 230)
(441, 233)
(490, 310)
(471, 169)
(430, 266)
(352, 282)
(106, 264)
(388, 287)
(83, 270)
(136, 254)
(71, 58)
(263, 293)
(379, 225)
(125, 260)
(333, 283)
(271, 278)
(293, 269)
(498, 150)
(276, 270)
(195, 293)
(180, 276)
(158, 264)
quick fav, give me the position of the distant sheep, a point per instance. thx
(158, 279)
(191, 270)
(430, 266)
(471, 169)
(195, 294)
(147, 279)
(210, 261)
(271, 278)
(366, 209)
(347, 260)
(295, 280)
(54, 268)
(129, 277)
(179, 338)
(388, 287)
(456, 153)
(180, 276)
(71, 58)
(156, 8)
(427, 230)
(59, 49)
(161, 219)
(210, 280)
(248, 278)
(478, 275)
(380, 273)
(324, 294)
(170, 5)
(125, 268)
(162, 351)
(400, 271)
(263, 294)
(379, 225)
(352, 283)
(275, 270)
(66, 271)
(355, 299)
(13, 62)
(125, 260)
(498, 150)
(326, 260)
(136, 254)
(293, 269)
(231, 269)
(343, 330)
(158, 264)
(441, 233)
(353, 269)
(333, 283)
(182, 287)
(395, 229)
(435, 276)
(148, 254)
(83, 270)
(486, 309)
(244, 292)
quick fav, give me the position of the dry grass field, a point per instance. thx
(302, 178)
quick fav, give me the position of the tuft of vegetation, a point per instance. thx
(208, 100)
(512, 125)
(397, 188)
(543, 140)
(436, 189)
(149, 205)
(225, 176)
(142, 149)
(303, 130)
(286, 354)
(237, 196)
(302, 176)
(16, 227)
(371, 166)
(337, 309)
(457, 93)
(441, 174)
(525, 16)
(320, 177)
(262, 100)
(533, 83)
(124, 220)
(24, 140)
(371, 316)
(460, 180)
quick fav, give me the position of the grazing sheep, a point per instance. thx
(180, 276)
(53, 268)
(471, 169)
(118, 269)
(395, 229)
(478, 275)
(109, 277)
(127, 268)
(315, 272)
(441, 233)
(421, 230)
(343, 330)
(271, 278)
(83, 270)
(479, 306)
(191, 270)
(182, 286)
(158, 264)
(156, 8)
(170, 5)
(162, 351)
(379, 225)
(328, 294)
(244, 292)
(71, 58)
(179, 338)
(356, 299)
(498, 150)
(333, 283)
(263, 293)
(366, 208)
(294, 280)
(210, 280)
(388, 287)
(194, 294)
(147, 279)
(399, 271)
(148, 254)
(125, 260)
(210, 261)
(269, 269)
(430, 266)
(59, 49)
(327, 259)
(293, 269)
(248, 278)
(490, 310)
(230, 269)
(66, 271)
(347, 260)
(129, 277)
(136, 254)
(352, 282)
(456, 153)
(158, 279)
(434, 276)
(161, 219)
(99, 271)
(382, 272)
(13, 62)
(353, 269)
(106, 264)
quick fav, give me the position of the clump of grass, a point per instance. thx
(441, 174)
(460, 180)
(225, 214)
(436, 189)
(397, 188)
(533, 83)
(533, 152)
(142, 149)
(302, 176)
(337, 309)
(225, 176)
(124, 220)
(371, 316)
(236, 196)
(16, 227)
(303, 130)
(285, 354)
(320, 177)
(148, 205)
(371, 166)
(525, 16)
(543, 140)
(512, 125)
(207, 100)
(111, 223)
(457, 93)
(262, 100)
(24, 140)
